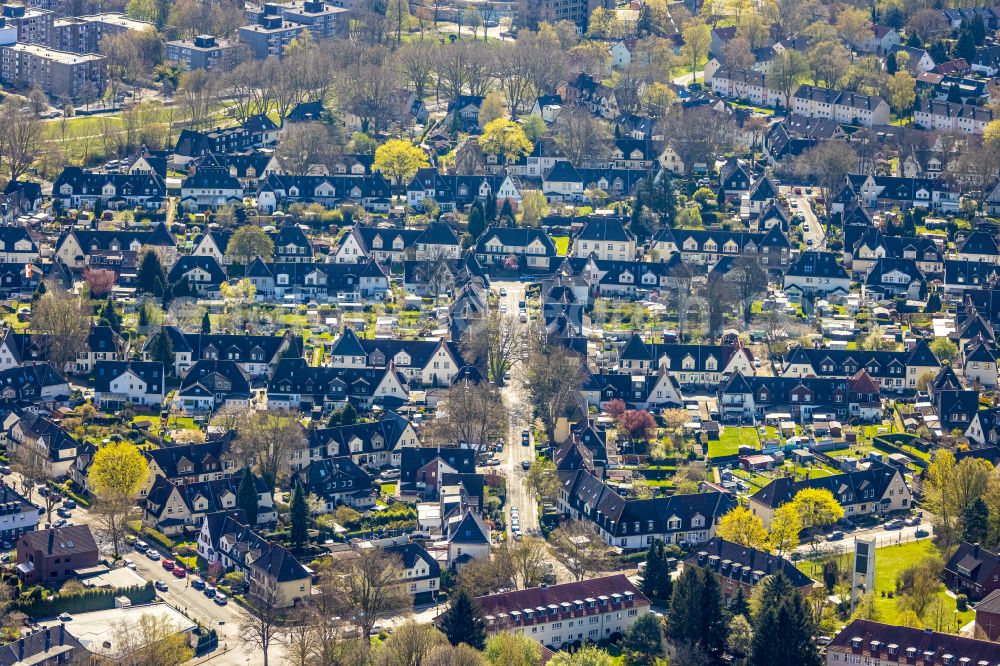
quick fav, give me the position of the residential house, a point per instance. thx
(843, 106)
(421, 573)
(512, 247)
(972, 570)
(270, 570)
(633, 524)
(190, 463)
(79, 188)
(878, 489)
(43, 437)
(296, 385)
(120, 383)
(895, 370)
(337, 482)
(174, 509)
(817, 273)
(605, 237)
(373, 444)
(950, 117)
(212, 384)
(50, 556)
(17, 515)
(255, 354)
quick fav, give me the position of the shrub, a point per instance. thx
(962, 603)
(82, 602)
(158, 537)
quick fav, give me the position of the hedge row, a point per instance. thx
(82, 602)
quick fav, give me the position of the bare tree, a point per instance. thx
(197, 91)
(829, 163)
(151, 640)
(582, 136)
(369, 591)
(749, 280)
(493, 344)
(681, 296)
(719, 296)
(20, 140)
(267, 438)
(516, 74)
(35, 470)
(261, 627)
(579, 548)
(112, 512)
(305, 145)
(475, 414)
(416, 64)
(554, 378)
(698, 134)
(527, 559)
(64, 323)
(435, 271)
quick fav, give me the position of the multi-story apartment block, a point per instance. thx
(83, 34)
(950, 117)
(270, 37)
(844, 107)
(274, 26)
(745, 84)
(34, 26)
(877, 644)
(58, 73)
(560, 616)
(203, 52)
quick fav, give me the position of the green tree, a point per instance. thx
(249, 242)
(463, 621)
(933, 303)
(246, 497)
(299, 518)
(741, 527)
(533, 208)
(509, 649)
(399, 160)
(643, 643)
(966, 46)
(695, 615)
(504, 139)
(588, 655)
(206, 323)
(945, 350)
(162, 349)
(534, 127)
(476, 223)
(151, 276)
(739, 605)
(110, 314)
(656, 581)
(784, 631)
(976, 521)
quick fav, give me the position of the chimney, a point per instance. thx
(48, 639)
(20, 650)
(975, 550)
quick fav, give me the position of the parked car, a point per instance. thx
(141, 545)
(178, 571)
(168, 564)
(912, 520)
(153, 554)
(894, 525)
(835, 536)
(129, 563)
(503, 292)
(63, 512)
(525, 465)
(209, 591)
(160, 585)
(65, 617)
(70, 504)
(221, 599)
(198, 583)
(921, 533)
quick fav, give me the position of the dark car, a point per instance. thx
(197, 583)
(526, 464)
(69, 504)
(835, 536)
(160, 585)
(921, 533)
(209, 591)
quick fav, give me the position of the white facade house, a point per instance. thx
(844, 107)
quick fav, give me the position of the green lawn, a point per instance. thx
(562, 245)
(729, 442)
(889, 562)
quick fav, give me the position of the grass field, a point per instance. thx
(729, 442)
(889, 562)
(562, 245)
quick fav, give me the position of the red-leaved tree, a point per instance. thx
(615, 408)
(637, 425)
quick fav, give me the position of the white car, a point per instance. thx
(129, 563)
(503, 308)
(503, 292)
